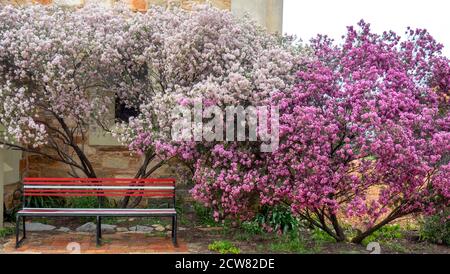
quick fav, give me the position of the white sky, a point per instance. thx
(306, 18)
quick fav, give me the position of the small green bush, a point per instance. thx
(252, 227)
(436, 229)
(224, 247)
(44, 202)
(204, 215)
(279, 218)
(321, 236)
(386, 233)
(5, 232)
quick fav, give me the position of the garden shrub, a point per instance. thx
(224, 247)
(278, 219)
(252, 227)
(204, 214)
(369, 115)
(384, 234)
(49, 59)
(59, 74)
(190, 65)
(436, 228)
(44, 202)
(7, 231)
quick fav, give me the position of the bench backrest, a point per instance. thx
(99, 187)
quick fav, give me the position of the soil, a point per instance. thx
(260, 244)
(198, 237)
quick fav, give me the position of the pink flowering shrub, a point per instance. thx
(365, 134)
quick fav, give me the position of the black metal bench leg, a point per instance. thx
(19, 241)
(173, 226)
(23, 228)
(17, 230)
(174, 231)
(99, 231)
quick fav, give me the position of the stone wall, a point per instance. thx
(268, 13)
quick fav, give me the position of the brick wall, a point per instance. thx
(107, 160)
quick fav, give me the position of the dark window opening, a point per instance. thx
(123, 112)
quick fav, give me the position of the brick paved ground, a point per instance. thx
(118, 243)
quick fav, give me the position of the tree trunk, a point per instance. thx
(340, 235)
(359, 238)
(148, 158)
(138, 200)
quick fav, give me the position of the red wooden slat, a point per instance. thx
(92, 183)
(109, 191)
(94, 191)
(97, 191)
(95, 195)
(98, 184)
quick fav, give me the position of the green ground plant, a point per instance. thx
(385, 234)
(45, 202)
(278, 218)
(321, 236)
(224, 247)
(252, 228)
(204, 215)
(290, 243)
(436, 229)
(5, 232)
(396, 247)
(181, 211)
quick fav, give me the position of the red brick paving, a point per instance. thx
(123, 243)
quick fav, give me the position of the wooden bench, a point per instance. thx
(98, 187)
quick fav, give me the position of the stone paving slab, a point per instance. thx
(123, 243)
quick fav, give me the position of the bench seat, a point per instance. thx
(104, 212)
(100, 189)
